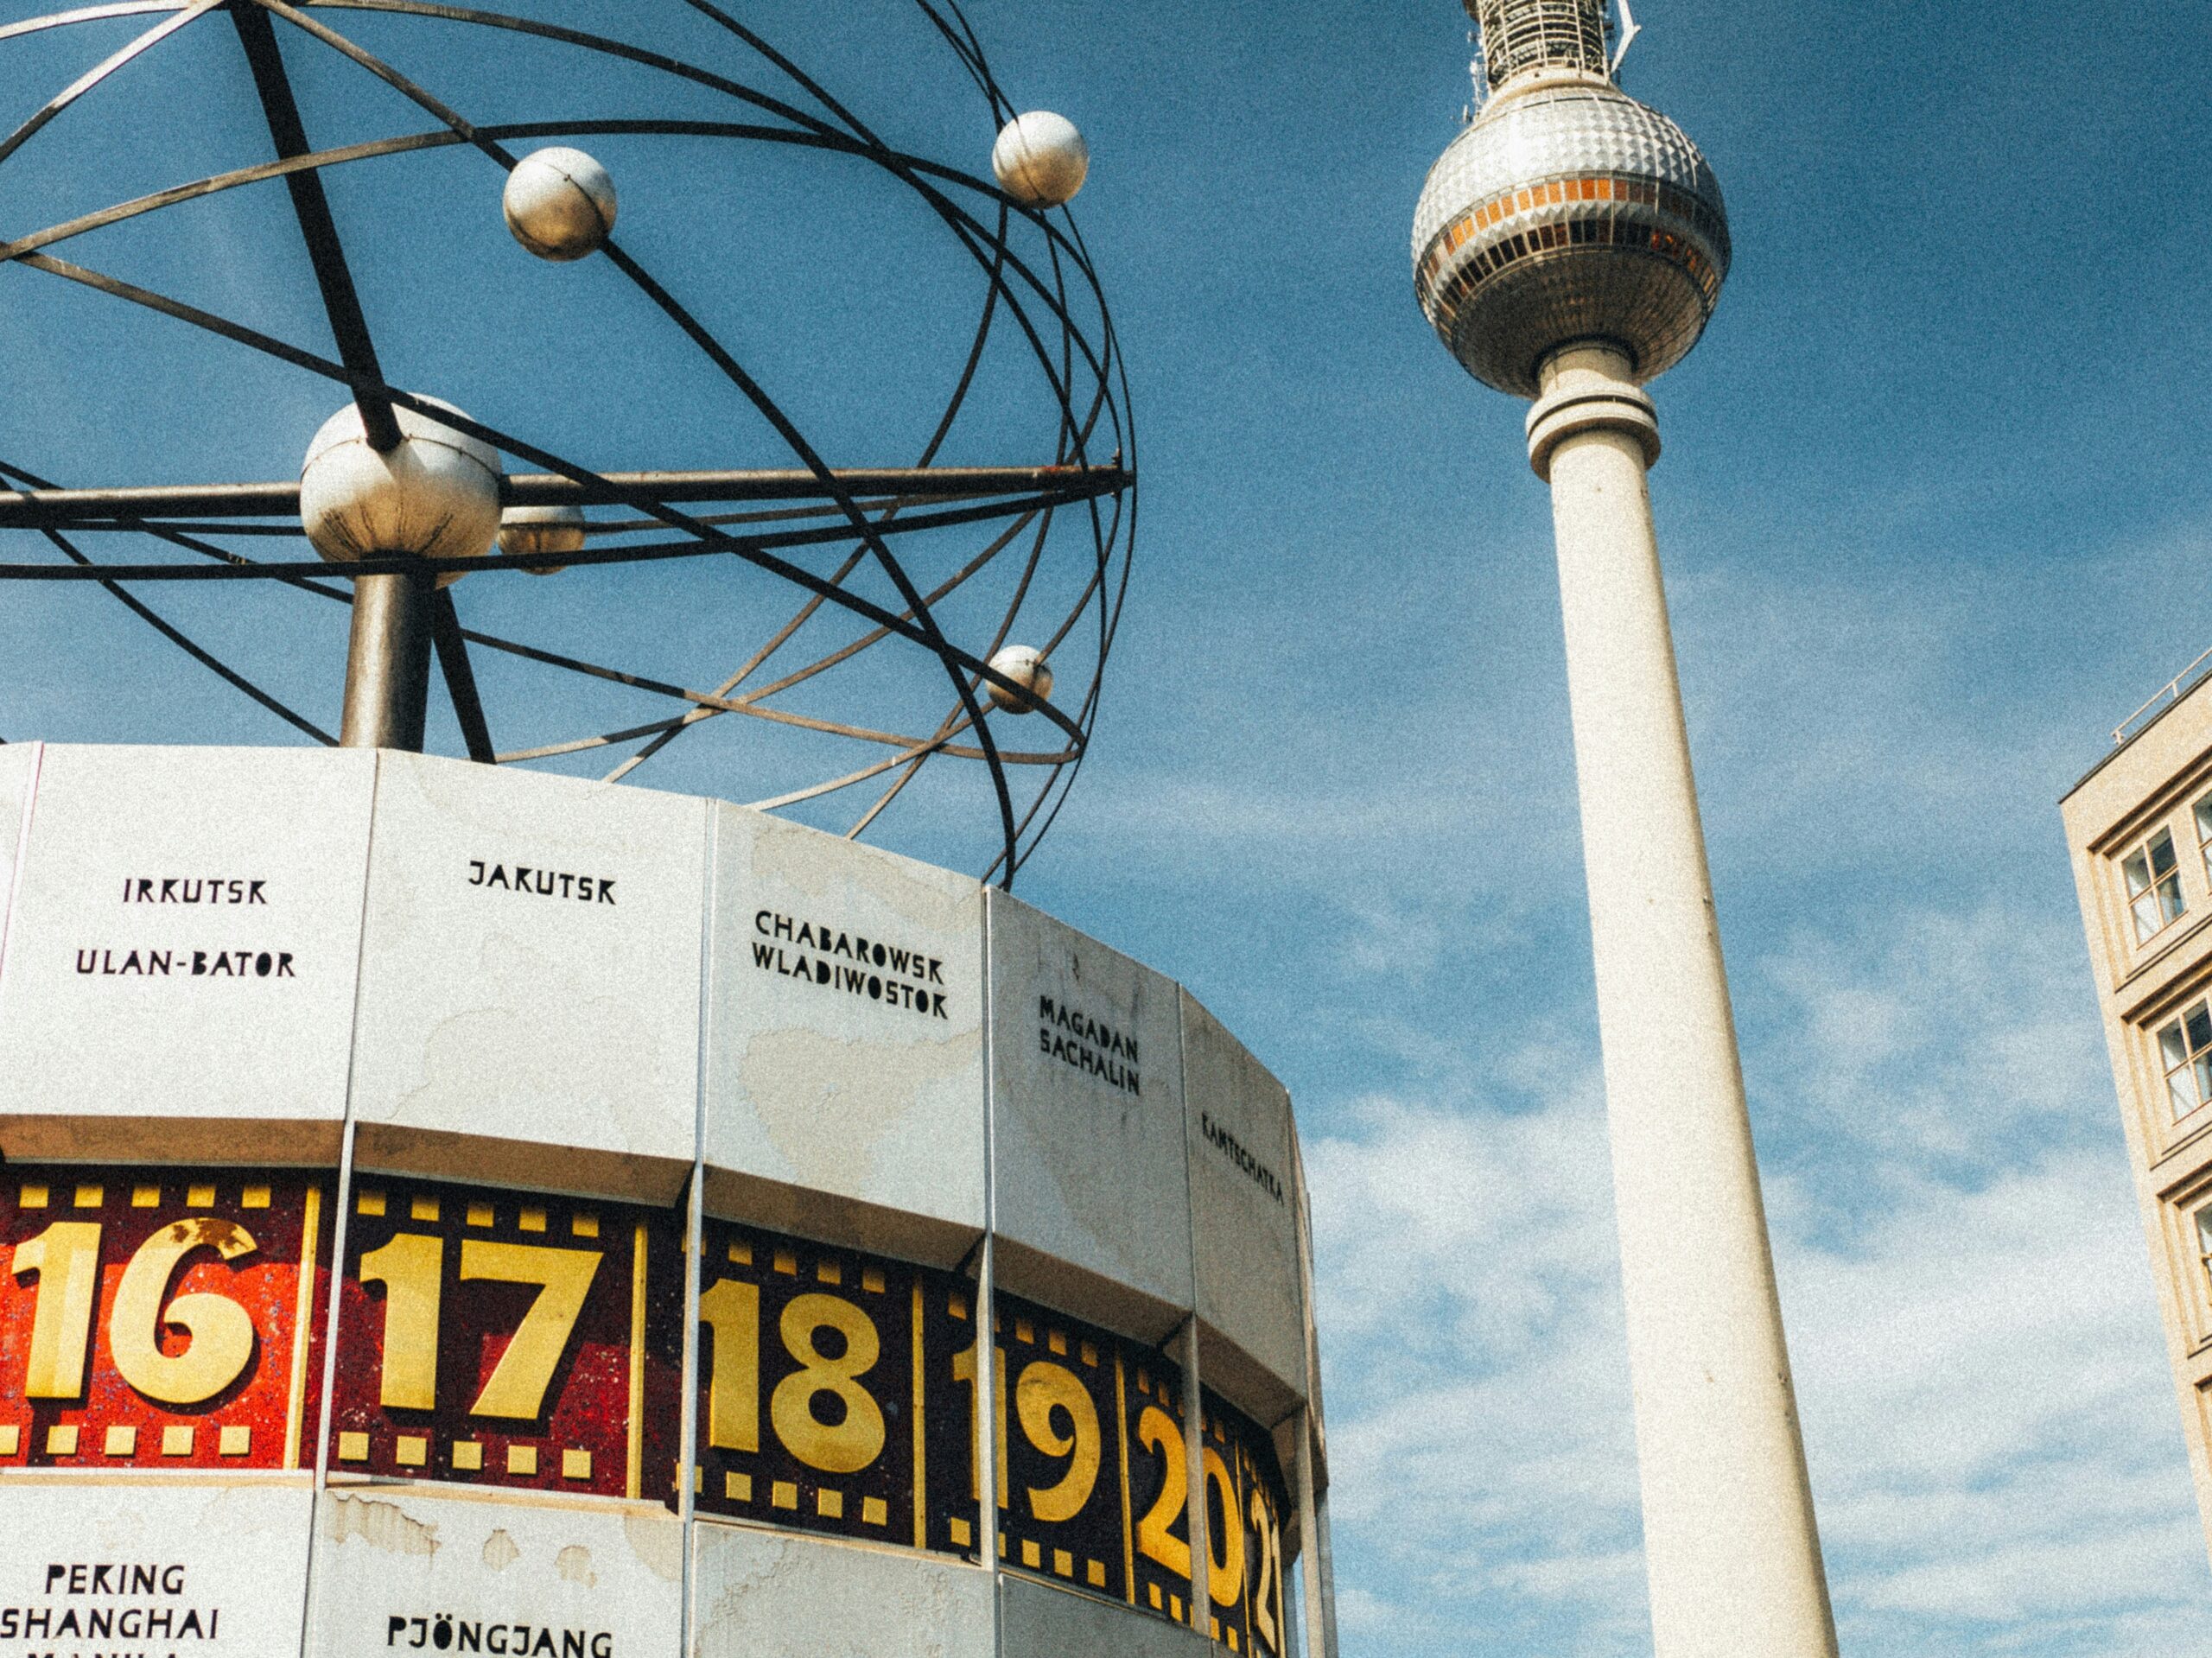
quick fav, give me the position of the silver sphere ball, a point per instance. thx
(1023, 665)
(1565, 213)
(560, 203)
(435, 496)
(1040, 159)
(525, 531)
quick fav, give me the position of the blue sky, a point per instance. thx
(1935, 514)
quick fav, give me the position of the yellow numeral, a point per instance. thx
(1268, 1595)
(67, 1258)
(221, 1331)
(411, 1269)
(1046, 1387)
(732, 1311)
(1158, 1431)
(1224, 1573)
(857, 1439)
(964, 1370)
(526, 1369)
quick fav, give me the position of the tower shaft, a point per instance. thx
(1732, 1547)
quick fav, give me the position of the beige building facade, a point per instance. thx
(2138, 829)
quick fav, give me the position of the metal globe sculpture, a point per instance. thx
(435, 495)
(799, 490)
(1041, 159)
(1565, 212)
(559, 204)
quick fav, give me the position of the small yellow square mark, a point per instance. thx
(741, 1254)
(576, 1464)
(412, 1450)
(201, 1196)
(738, 1488)
(1002, 1546)
(1144, 1384)
(874, 1511)
(121, 1442)
(254, 1197)
(963, 1534)
(830, 1504)
(1094, 1573)
(1175, 1607)
(1154, 1589)
(145, 1197)
(468, 1456)
(829, 1272)
(11, 1440)
(91, 1196)
(521, 1459)
(1031, 1554)
(787, 1263)
(1091, 1353)
(35, 1196)
(1216, 1630)
(352, 1448)
(479, 1213)
(367, 1202)
(1063, 1563)
(871, 1280)
(1057, 1343)
(176, 1439)
(61, 1441)
(236, 1439)
(1233, 1645)
(784, 1494)
(531, 1220)
(957, 1305)
(584, 1226)
(698, 1477)
(423, 1209)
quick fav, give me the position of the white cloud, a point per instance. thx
(1990, 1423)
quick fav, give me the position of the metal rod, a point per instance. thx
(461, 679)
(388, 663)
(340, 301)
(59, 509)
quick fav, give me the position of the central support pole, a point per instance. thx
(388, 662)
(1730, 1544)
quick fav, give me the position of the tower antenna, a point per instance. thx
(1629, 30)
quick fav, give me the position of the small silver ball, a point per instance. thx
(525, 531)
(435, 496)
(1025, 668)
(560, 203)
(1040, 159)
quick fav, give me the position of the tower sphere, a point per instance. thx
(560, 203)
(1040, 159)
(1567, 211)
(1023, 665)
(525, 531)
(435, 496)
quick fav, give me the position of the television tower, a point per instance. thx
(1569, 247)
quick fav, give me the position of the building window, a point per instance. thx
(2204, 1241)
(2185, 1049)
(2154, 882)
(2204, 833)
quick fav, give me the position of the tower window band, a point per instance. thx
(2153, 881)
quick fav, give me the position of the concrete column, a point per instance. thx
(1730, 1540)
(1194, 1473)
(388, 663)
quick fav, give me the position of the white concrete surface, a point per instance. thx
(1730, 1545)
(530, 980)
(1092, 1200)
(392, 1560)
(182, 955)
(844, 1070)
(765, 1594)
(211, 1564)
